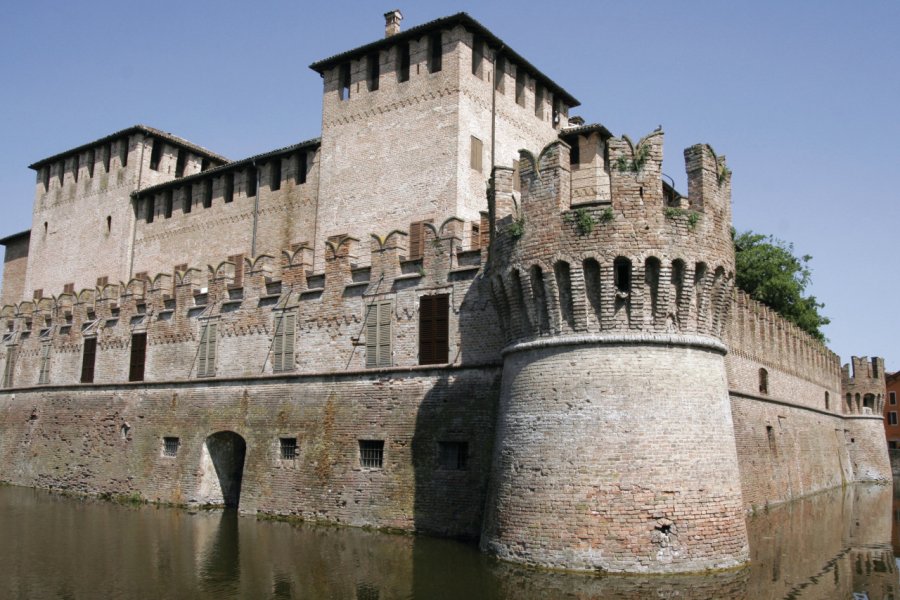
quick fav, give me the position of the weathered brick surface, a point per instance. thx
(15, 266)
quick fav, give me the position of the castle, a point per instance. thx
(460, 311)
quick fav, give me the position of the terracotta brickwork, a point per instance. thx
(892, 405)
(169, 306)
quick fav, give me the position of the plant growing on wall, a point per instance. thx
(693, 217)
(639, 153)
(584, 221)
(516, 229)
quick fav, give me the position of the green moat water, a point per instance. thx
(831, 545)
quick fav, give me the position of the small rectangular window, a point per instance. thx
(138, 357)
(454, 456)
(417, 239)
(283, 342)
(892, 418)
(168, 203)
(206, 354)
(302, 167)
(187, 200)
(435, 52)
(207, 194)
(434, 329)
(477, 55)
(371, 453)
(893, 397)
(151, 209)
(179, 163)
(403, 62)
(344, 81)
(69, 288)
(288, 448)
(229, 188)
(156, 154)
(88, 360)
(44, 374)
(475, 154)
(499, 73)
(10, 368)
(378, 334)
(107, 157)
(123, 152)
(170, 446)
(250, 176)
(622, 274)
(374, 65)
(539, 101)
(275, 175)
(575, 152)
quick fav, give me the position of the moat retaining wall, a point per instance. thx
(109, 439)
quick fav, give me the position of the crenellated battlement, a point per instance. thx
(863, 385)
(635, 263)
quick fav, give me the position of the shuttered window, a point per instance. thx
(88, 360)
(476, 151)
(10, 368)
(417, 239)
(44, 374)
(378, 334)
(283, 344)
(206, 355)
(138, 357)
(433, 329)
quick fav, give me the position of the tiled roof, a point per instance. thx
(457, 19)
(15, 236)
(237, 164)
(581, 129)
(173, 139)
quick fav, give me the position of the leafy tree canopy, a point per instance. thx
(767, 269)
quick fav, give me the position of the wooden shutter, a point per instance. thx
(476, 151)
(10, 367)
(206, 356)
(384, 334)
(434, 329)
(278, 344)
(417, 239)
(138, 357)
(44, 375)
(372, 335)
(287, 357)
(88, 360)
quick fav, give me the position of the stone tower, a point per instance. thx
(615, 447)
(863, 388)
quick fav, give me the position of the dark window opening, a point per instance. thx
(187, 201)
(435, 52)
(207, 194)
(229, 188)
(204, 164)
(275, 175)
(156, 155)
(62, 172)
(69, 288)
(893, 397)
(520, 87)
(403, 60)
(827, 401)
(434, 339)
(250, 174)
(107, 157)
(374, 64)
(151, 209)
(477, 55)
(179, 163)
(622, 274)
(371, 453)
(170, 446)
(288, 448)
(770, 436)
(123, 152)
(302, 166)
(92, 158)
(499, 73)
(344, 81)
(454, 456)
(892, 418)
(763, 381)
(168, 203)
(138, 357)
(108, 223)
(575, 152)
(45, 177)
(88, 360)
(76, 166)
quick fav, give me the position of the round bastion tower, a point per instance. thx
(614, 447)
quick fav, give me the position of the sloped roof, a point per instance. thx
(172, 139)
(458, 19)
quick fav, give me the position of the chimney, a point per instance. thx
(392, 22)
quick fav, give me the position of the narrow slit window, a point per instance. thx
(250, 175)
(123, 152)
(151, 209)
(207, 194)
(499, 73)
(403, 62)
(435, 52)
(156, 155)
(92, 158)
(373, 62)
(622, 274)
(288, 448)
(371, 454)
(302, 167)
(575, 152)
(107, 157)
(168, 203)
(138, 357)
(344, 81)
(170, 446)
(88, 360)
(62, 172)
(275, 175)
(76, 166)
(477, 55)
(229, 188)
(520, 86)
(892, 396)
(187, 200)
(45, 177)
(179, 163)
(763, 381)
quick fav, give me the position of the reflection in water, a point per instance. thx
(832, 545)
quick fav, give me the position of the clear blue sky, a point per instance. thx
(801, 96)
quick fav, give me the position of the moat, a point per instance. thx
(830, 545)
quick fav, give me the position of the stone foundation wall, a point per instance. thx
(108, 439)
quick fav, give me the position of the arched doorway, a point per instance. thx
(223, 468)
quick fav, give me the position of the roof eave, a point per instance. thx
(5, 241)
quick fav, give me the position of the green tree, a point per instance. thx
(767, 269)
